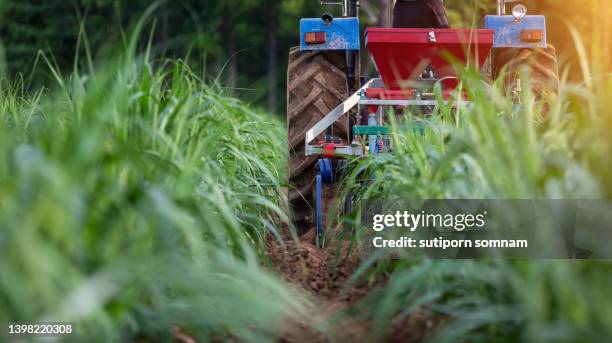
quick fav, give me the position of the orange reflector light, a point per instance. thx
(315, 38)
(532, 36)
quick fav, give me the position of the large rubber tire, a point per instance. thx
(316, 84)
(542, 64)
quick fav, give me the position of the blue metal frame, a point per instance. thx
(508, 30)
(319, 206)
(325, 170)
(325, 176)
(342, 34)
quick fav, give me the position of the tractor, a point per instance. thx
(333, 113)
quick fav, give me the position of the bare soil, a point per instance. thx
(323, 273)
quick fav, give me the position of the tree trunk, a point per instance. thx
(165, 23)
(369, 11)
(231, 63)
(232, 74)
(384, 13)
(273, 58)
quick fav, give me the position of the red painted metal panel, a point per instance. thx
(390, 94)
(401, 55)
(403, 94)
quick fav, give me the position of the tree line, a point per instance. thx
(241, 43)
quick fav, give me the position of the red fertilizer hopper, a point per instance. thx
(401, 55)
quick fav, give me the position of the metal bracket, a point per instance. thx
(343, 3)
(380, 102)
(339, 151)
(416, 102)
(432, 37)
(336, 113)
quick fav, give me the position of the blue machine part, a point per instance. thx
(340, 33)
(325, 170)
(325, 175)
(508, 30)
(319, 206)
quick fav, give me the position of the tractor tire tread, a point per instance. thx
(316, 84)
(542, 64)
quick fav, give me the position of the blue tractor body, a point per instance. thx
(338, 34)
(529, 32)
(343, 33)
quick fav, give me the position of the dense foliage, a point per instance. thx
(555, 149)
(244, 43)
(494, 150)
(135, 199)
(224, 36)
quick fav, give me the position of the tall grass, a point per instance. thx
(134, 199)
(494, 149)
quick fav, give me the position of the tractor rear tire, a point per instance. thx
(316, 84)
(542, 65)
